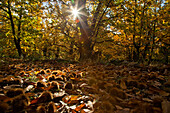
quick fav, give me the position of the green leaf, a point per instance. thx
(72, 1)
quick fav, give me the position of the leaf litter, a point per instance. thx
(51, 87)
(42, 88)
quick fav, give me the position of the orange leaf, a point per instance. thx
(76, 79)
(48, 88)
(40, 77)
(78, 108)
(74, 97)
(73, 111)
(30, 94)
(82, 111)
(58, 107)
(7, 99)
(34, 101)
(77, 21)
(66, 99)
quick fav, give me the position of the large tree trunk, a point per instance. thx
(85, 42)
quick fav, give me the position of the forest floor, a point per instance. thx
(49, 86)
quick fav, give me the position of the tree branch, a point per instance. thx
(4, 9)
(4, 16)
(97, 27)
(64, 3)
(95, 15)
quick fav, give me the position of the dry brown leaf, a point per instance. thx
(161, 92)
(147, 100)
(3, 97)
(143, 108)
(117, 92)
(125, 110)
(167, 83)
(133, 102)
(123, 84)
(3, 107)
(107, 106)
(29, 94)
(166, 106)
(118, 107)
(157, 110)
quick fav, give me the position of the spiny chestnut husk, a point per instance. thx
(14, 92)
(56, 72)
(41, 84)
(48, 70)
(51, 107)
(41, 109)
(4, 107)
(51, 78)
(19, 103)
(68, 86)
(46, 96)
(59, 78)
(42, 72)
(55, 85)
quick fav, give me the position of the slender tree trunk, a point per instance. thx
(16, 40)
(166, 54)
(136, 47)
(153, 36)
(45, 51)
(57, 53)
(145, 52)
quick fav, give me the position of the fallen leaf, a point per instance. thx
(161, 92)
(73, 111)
(82, 111)
(166, 106)
(68, 86)
(78, 108)
(147, 100)
(29, 87)
(34, 101)
(123, 84)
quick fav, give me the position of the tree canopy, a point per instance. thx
(102, 30)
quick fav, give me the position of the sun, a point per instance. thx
(75, 12)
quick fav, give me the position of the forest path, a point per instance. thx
(51, 86)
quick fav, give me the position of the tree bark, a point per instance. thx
(85, 41)
(16, 40)
(136, 46)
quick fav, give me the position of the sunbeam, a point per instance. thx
(76, 11)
